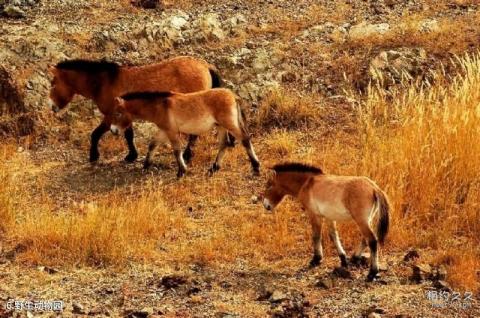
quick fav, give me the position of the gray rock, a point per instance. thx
(364, 30)
(78, 309)
(13, 11)
(277, 296)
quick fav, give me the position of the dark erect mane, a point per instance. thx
(92, 67)
(146, 95)
(296, 167)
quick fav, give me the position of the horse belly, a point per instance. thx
(198, 126)
(332, 210)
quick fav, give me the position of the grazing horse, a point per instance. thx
(335, 198)
(192, 113)
(102, 81)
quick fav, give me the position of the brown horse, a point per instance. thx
(102, 81)
(335, 198)
(193, 113)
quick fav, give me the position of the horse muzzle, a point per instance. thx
(115, 130)
(53, 106)
(267, 205)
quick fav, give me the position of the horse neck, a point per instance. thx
(88, 85)
(292, 182)
(143, 110)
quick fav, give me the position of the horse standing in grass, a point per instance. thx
(193, 113)
(335, 198)
(102, 81)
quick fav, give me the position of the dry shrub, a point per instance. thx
(286, 109)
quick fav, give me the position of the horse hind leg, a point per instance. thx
(357, 255)
(338, 244)
(222, 145)
(188, 153)
(372, 241)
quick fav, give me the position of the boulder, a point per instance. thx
(395, 66)
(365, 30)
(15, 118)
(210, 27)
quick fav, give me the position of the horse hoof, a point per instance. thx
(315, 261)
(94, 157)
(131, 157)
(343, 261)
(180, 174)
(146, 165)
(371, 276)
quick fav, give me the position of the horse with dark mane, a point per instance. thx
(102, 81)
(192, 113)
(336, 199)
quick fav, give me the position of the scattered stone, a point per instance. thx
(78, 309)
(13, 11)
(420, 273)
(277, 296)
(411, 255)
(395, 66)
(442, 285)
(148, 4)
(254, 199)
(374, 315)
(439, 273)
(173, 281)
(342, 272)
(429, 25)
(364, 30)
(265, 293)
(47, 269)
(144, 313)
(325, 283)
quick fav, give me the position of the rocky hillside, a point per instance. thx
(112, 240)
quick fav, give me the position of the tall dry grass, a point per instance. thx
(422, 145)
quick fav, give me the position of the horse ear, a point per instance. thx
(119, 102)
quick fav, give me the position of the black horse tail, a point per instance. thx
(384, 220)
(216, 79)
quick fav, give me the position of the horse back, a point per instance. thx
(180, 74)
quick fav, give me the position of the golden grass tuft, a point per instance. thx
(286, 109)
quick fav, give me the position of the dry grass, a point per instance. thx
(420, 145)
(286, 109)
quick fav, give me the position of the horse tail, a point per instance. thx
(384, 208)
(241, 121)
(216, 79)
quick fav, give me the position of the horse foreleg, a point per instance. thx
(95, 138)
(222, 145)
(159, 137)
(188, 153)
(132, 151)
(336, 240)
(316, 222)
